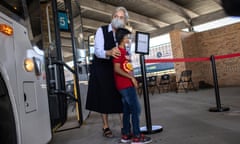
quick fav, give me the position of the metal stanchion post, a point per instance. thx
(148, 129)
(219, 108)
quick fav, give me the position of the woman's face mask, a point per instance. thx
(117, 23)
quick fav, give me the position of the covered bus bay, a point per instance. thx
(185, 116)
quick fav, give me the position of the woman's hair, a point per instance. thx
(121, 33)
(122, 9)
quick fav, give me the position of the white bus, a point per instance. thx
(24, 107)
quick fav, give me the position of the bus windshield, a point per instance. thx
(25, 12)
(15, 6)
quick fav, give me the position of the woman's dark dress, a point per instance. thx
(102, 96)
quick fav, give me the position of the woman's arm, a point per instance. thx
(99, 44)
(99, 47)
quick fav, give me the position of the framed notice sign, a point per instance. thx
(142, 42)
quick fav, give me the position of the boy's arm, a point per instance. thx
(119, 71)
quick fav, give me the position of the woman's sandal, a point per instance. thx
(107, 133)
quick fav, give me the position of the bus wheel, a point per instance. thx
(7, 123)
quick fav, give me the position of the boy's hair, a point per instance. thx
(120, 33)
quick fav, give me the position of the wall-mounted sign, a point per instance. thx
(142, 42)
(63, 21)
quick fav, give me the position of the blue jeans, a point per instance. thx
(131, 108)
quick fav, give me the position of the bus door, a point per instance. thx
(59, 97)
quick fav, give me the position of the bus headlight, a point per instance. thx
(28, 65)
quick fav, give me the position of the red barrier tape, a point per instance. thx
(227, 56)
(191, 59)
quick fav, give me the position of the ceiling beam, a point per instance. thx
(88, 23)
(209, 17)
(68, 59)
(191, 13)
(169, 6)
(167, 29)
(66, 42)
(196, 21)
(67, 49)
(67, 36)
(218, 2)
(175, 8)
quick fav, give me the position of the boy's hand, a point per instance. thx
(135, 82)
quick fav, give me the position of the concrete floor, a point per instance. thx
(184, 116)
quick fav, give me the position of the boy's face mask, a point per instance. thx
(129, 44)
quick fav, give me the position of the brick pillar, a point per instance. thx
(177, 50)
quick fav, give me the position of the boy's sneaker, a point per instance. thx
(126, 138)
(142, 139)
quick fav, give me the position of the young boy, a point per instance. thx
(126, 83)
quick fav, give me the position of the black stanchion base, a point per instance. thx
(222, 109)
(155, 129)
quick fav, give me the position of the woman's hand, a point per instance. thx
(114, 52)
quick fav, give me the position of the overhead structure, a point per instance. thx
(151, 16)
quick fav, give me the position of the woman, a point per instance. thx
(103, 96)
